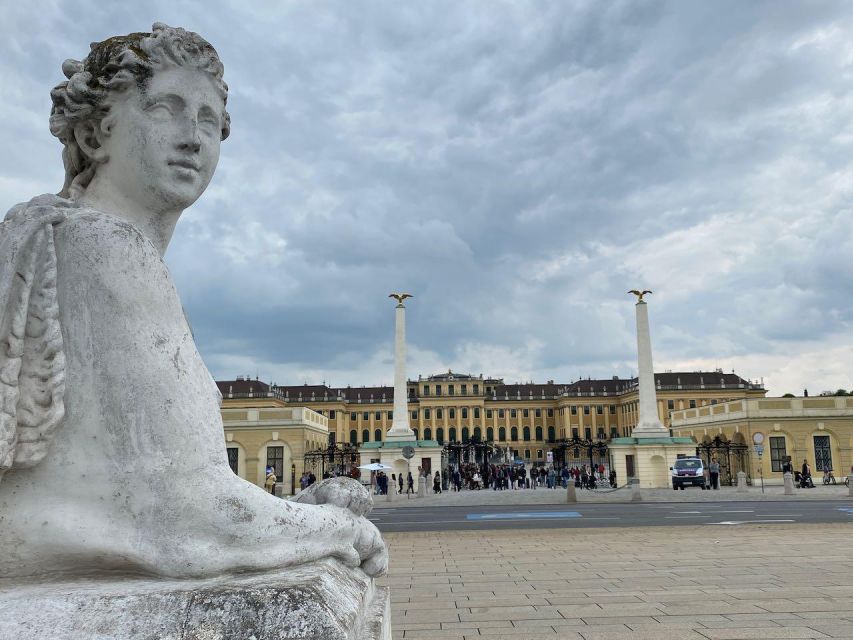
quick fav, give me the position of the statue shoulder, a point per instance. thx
(46, 206)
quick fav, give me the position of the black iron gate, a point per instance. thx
(732, 457)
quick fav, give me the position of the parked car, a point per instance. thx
(688, 472)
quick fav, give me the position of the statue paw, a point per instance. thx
(341, 492)
(372, 550)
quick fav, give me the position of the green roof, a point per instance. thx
(397, 445)
(665, 440)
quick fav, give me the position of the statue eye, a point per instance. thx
(160, 108)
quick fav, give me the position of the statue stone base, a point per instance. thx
(325, 601)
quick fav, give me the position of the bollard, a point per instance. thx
(789, 484)
(741, 482)
(635, 490)
(422, 487)
(571, 493)
(389, 496)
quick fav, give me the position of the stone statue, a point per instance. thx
(111, 442)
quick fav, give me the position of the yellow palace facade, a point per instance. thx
(524, 418)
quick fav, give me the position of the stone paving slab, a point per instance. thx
(691, 583)
(485, 497)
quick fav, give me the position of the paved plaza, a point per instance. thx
(761, 581)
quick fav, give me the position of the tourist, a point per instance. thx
(411, 484)
(806, 476)
(400, 479)
(565, 475)
(436, 483)
(714, 471)
(271, 479)
(551, 478)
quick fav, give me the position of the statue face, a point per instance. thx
(163, 145)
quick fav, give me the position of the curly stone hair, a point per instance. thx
(111, 66)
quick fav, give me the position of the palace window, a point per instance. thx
(439, 435)
(599, 409)
(670, 404)
(365, 415)
(600, 434)
(512, 413)
(416, 433)
(488, 413)
(526, 413)
(574, 410)
(692, 404)
(539, 433)
(378, 415)
(526, 434)
(233, 456)
(476, 412)
(550, 413)
(478, 434)
(439, 414)
(452, 413)
(353, 436)
(539, 454)
(575, 433)
(465, 434)
(438, 389)
(275, 459)
(464, 413)
(415, 414)
(452, 434)
(427, 434)
(464, 390)
(527, 454)
(365, 435)
(502, 434)
(450, 390)
(587, 433)
(476, 389)
(614, 432)
(586, 410)
(426, 415)
(822, 454)
(778, 452)
(332, 414)
(377, 435)
(426, 389)
(539, 413)
(612, 409)
(500, 413)
(390, 415)
(514, 434)
(552, 434)
(352, 416)
(490, 433)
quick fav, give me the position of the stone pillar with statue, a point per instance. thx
(650, 450)
(149, 532)
(400, 437)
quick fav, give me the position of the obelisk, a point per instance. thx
(400, 429)
(648, 424)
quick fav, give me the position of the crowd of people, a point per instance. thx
(510, 477)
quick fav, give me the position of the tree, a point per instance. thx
(789, 395)
(841, 392)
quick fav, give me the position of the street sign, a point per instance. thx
(758, 438)
(759, 450)
(550, 456)
(408, 453)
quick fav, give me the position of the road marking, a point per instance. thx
(535, 515)
(749, 521)
(746, 511)
(688, 512)
(704, 515)
(848, 510)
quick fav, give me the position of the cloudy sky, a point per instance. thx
(517, 166)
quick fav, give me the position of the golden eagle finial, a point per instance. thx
(639, 294)
(399, 297)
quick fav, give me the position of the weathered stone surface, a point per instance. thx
(322, 602)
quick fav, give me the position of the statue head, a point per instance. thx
(145, 113)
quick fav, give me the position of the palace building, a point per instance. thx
(449, 407)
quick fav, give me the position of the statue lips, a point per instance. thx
(185, 163)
